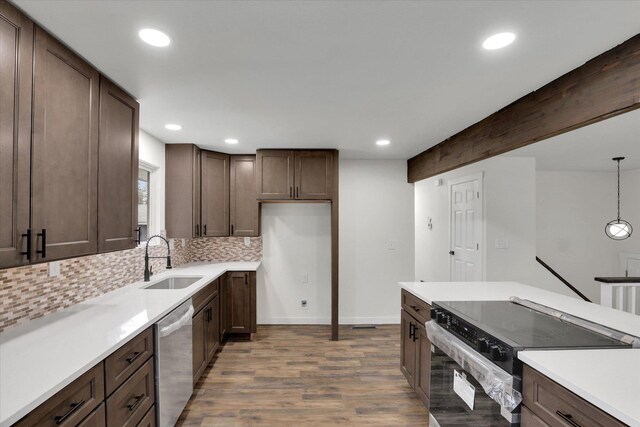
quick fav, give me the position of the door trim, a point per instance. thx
(624, 257)
(478, 176)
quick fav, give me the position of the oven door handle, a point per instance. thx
(496, 382)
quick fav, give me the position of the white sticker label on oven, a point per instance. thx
(464, 388)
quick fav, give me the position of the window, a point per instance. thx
(144, 178)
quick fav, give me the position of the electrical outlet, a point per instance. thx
(247, 241)
(305, 278)
(392, 245)
(303, 303)
(171, 245)
(54, 269)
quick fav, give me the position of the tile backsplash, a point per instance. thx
(28, 292)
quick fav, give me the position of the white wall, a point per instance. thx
(376, 208)
(509, 214)
(151, 154)
(572, 210)
(296, 240)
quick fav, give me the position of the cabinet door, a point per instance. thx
(16, 58)
(407, 347)
(212, 327)
(423, 365)
(239, 288)
(117, 169)
(199, 344)
(244, 209)
(274, 169)
(182, 190)
(65, 151)
(214, 203)
(314, 174)
(223, 307)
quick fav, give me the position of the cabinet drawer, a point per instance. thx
(128, 405)
(124, 362)
(415, 307)
(557, 406)
(207, 293)
(72, 404)
(529, 419)
(96, 419)
(149, 420)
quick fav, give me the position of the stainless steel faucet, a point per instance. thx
(147, 269)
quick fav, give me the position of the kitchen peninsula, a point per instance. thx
(613, 381)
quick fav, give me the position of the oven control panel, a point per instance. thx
(476, 338)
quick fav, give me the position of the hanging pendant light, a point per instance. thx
(618, 229)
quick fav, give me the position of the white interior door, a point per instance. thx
(633, 267)
(466, 230)
(630, 264)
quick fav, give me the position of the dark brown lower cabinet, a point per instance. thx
(415, 347)
(206, 328)
(128, 400)
(72, 404)
(212, 331)
(223, 307)
(149, 420)
(407, 347)
(96, 419)
(547, 403)
(423, 365)
(241, 302)
(199, 345)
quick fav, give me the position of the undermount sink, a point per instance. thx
(178, 282)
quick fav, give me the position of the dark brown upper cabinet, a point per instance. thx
(214, 202)
(182, 190)
(275, 176)
(295, 174)
(244, 208)
(64, 169)
(118, 169)
(314, 174)
(16, 59)
(59, 122)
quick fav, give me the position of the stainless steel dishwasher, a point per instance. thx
(174, 364)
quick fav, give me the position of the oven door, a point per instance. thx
(457, 398)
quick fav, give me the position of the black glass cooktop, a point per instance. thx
(521, 327)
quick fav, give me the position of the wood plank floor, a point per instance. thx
(293, 375)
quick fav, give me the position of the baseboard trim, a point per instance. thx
(390, 320)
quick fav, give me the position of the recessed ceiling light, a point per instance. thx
(172, 126)
(231, 141)
(383, 142)
(498, 41)
(154, 37)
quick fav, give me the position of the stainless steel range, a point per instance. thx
(476, 377)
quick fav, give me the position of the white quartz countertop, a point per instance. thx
(41, 357)
(606, 378)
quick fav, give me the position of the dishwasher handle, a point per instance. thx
(182, 321)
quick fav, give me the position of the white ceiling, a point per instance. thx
(591, 148)
(332, 74)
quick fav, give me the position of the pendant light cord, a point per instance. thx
(618, 190)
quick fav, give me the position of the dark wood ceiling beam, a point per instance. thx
(604, 87)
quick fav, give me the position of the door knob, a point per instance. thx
(452, 253)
